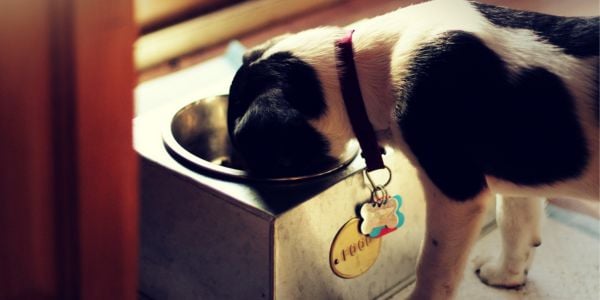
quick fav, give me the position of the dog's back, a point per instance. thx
(578, 36)
(510, 103)
(579, 39)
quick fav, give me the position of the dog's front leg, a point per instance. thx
(519, 221)
(451, 229)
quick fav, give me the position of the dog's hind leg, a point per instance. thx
(519, 222)
(452, 227)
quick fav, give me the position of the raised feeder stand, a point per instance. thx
(210, 234)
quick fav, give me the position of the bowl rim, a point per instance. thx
(192, 161)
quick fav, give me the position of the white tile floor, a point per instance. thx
(567, 264)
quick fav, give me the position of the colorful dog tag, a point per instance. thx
(383, 218)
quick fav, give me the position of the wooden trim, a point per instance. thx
(340, 14)
(64, 160)
(554, 7)
(152, 14)
(211, 29)
(27, 264)
(150, 11)
(68, 175)
(104, 31)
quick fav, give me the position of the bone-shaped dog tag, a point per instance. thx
(381, 219)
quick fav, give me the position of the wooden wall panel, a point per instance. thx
(27, 264)
(106, 167)
(68, 171)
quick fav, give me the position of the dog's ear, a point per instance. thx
(297, 82)
(275, 139)
(256, 52)
(270, 104)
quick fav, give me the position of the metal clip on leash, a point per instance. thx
(379, 194)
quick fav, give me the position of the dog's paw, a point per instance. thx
(495, 274)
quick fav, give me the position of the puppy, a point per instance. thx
(483, 100)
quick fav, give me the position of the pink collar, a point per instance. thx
(355, 106)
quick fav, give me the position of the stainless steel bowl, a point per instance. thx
(197, 137)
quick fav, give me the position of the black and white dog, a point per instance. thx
(483, 100)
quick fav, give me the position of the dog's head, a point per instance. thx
(285, 112)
